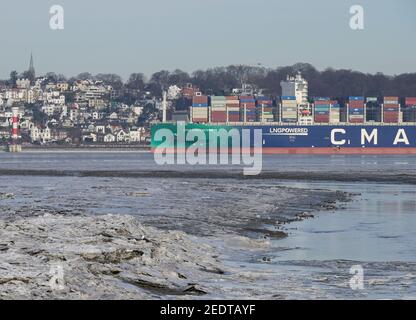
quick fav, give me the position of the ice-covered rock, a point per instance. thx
(111, 256)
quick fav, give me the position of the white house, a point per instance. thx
(122, 136)
(40, 135)
(109, 137)
(135, 135)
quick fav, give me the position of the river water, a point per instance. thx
(376, 231)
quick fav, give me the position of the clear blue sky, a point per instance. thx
(125, 36)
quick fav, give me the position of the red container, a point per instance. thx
(321, 118)
(357, 104)
(356, 121)
(200, 99)
(218, 116)
(200, 120)
(390, 117)
(234, 118)
(391, 109)
(247, 104)
(388, 120)
(410, 101)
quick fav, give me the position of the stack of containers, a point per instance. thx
(391, 110)
(335, 112)
(233, 108)
(265, 110)
(218, 109)
(322, 109)
(247, 109)
(199, 109)
(409, 114)
(304, 110)
(305, 114)
(356, 110)
(373, 110)
(289, 109)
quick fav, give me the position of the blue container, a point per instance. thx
(200, 105)
(288, 98)
(263, 98)
(356, 98)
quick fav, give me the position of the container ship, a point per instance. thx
(297, 124)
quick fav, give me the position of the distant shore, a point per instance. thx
(90, 147)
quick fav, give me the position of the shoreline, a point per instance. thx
(104, 257)
(84, 148)
(120, 257)
(222, 174)
(220, 242)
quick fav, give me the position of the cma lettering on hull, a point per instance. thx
(339, 137)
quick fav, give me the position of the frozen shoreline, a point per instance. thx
(359, 176)
(101, 257)
(227, 224)
(116, 257)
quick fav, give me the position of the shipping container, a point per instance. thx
(288, 98)
(409, 112)
(394, 99)
(321, 119)
(356, 120)
(410, 101)
(200, 99)
(373, 110)
(200, 105)
(353, 98)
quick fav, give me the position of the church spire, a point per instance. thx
(31, 71)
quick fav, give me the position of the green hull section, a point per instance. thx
(173, 135)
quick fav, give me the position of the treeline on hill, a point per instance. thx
(221, 80)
